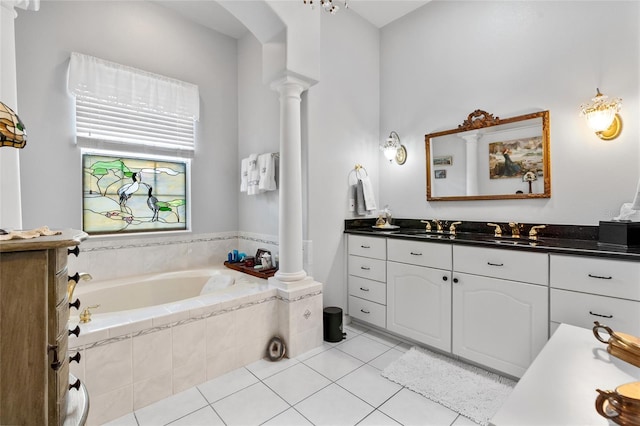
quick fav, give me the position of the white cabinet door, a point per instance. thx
(498, 323)
(419, 304)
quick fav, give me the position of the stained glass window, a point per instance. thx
(123, 194)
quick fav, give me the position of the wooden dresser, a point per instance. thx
(34, 312)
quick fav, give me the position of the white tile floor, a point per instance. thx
(337, 384)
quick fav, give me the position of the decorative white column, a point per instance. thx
(472, 161)
(10, 201)
(291, 269)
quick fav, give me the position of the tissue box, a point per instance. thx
(619, 233)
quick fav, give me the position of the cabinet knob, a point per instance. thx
(455, 280)
(76, 385)
(75, 304)
(75, 358)
(75, 331)
(55, 364)
(445, 278)
(75, 251)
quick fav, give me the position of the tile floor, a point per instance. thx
(337, 384)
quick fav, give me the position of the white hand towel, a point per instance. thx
(254, 175)
(244, 174)
(267, 167)
(367, 191)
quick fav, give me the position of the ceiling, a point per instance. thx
(210, 14)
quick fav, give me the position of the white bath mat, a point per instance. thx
(471, 391)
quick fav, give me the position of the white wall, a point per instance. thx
(447, 59)
(139, 34)
(343, 117)
(258, 132)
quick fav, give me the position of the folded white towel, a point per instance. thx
(244, 174)
(367, 190)
(267, 167)
(253, 178)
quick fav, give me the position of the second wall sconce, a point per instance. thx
(393, 149)
(602, 116)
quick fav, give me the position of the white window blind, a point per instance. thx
(120, 104)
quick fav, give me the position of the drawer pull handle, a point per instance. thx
(55, 364)
(364, 289)
(75, 358)
(75, 304)
(75, 331)
(365, 268)
(416, 254)
(495, 264)
(75, 251)
(76, 385)
(363, 246)
(364, 311)
(599, 277)
(600, 315)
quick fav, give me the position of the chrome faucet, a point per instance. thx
(515, 229)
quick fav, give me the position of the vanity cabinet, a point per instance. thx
(587, 289)
(419, 292)
(367, 279)
(500, 307)
(34, 311)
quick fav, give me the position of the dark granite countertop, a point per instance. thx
(554, 239)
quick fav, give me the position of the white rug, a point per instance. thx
(471, 391)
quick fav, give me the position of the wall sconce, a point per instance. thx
(12, 132)
(393, 149)
(602, 116)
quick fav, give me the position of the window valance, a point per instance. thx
(92, 77)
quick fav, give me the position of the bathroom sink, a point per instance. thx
(515, 241)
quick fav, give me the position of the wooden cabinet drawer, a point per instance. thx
(607, 277)
(506, 264)
(365, 267)
(368, 311)
(420, 253)
(60, 282)
(368, 246)
(373, 291)
(62, 319)
(582, 310)
(60, 259)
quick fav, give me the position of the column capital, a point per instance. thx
(292, 81)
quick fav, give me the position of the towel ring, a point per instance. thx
(357, 170)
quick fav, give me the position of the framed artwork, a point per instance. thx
(514, 158)
(123, 194)
(440, 174)
(443, 161)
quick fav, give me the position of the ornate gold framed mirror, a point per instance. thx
(488, 158)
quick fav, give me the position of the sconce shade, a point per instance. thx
(602, 115)
(393, 149)
(12, 132)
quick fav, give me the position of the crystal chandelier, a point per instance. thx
(602, 115)
(330, 6)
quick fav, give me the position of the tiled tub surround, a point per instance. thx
(138, 359)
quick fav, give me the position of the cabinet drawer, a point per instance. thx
(420, 253)
(60, 283)
(60, 259)
(506, 264)
(373, 291)
(62, 319)
(365, 310)
(582, 310)
(607, 277)
(373, 269)
(368, 246)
